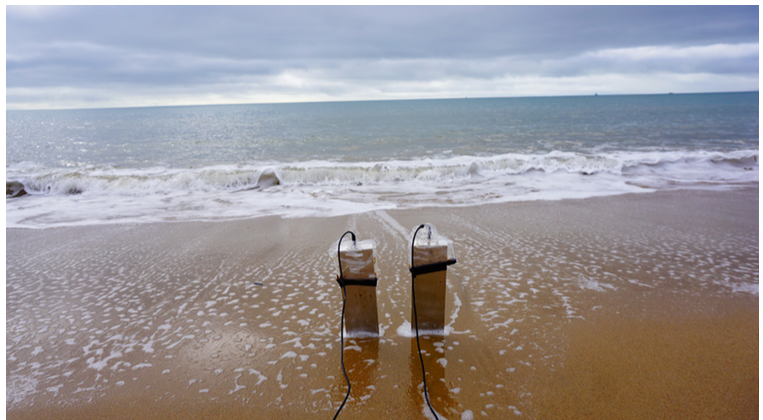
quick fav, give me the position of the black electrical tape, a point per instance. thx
(372, 282)
(431, 268)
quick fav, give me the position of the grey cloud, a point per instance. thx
(390, 32)
(169, 49)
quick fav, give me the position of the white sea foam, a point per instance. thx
(405, 330)
(428, 412)
(753, 288)
(19, 388)
(98, 195)
(362, 334)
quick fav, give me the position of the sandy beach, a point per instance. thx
(633, 306)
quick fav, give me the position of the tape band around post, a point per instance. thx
(431, 268)
(351, 282)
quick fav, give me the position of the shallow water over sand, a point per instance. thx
(555, 309)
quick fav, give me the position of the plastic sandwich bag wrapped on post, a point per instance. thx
(357, 258)
(430, 247)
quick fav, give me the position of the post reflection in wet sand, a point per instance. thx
(361, 356)
(440, 396)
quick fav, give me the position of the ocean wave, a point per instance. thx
(136, 182)
(102, 195)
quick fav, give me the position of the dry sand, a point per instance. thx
(637, 306)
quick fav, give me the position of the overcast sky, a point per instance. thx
(75, 57)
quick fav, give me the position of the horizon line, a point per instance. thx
(595, 94)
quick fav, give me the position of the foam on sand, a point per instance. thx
(246, 315)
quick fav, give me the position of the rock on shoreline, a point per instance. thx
(14, 189)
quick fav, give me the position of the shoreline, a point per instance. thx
(165, 320)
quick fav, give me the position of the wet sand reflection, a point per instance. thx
(361, 357)
(433, 354)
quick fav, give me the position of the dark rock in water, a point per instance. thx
(14, 189)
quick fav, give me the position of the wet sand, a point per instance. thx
(637, 306)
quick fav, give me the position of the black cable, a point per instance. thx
(416, 320)
(341, 325)
(341, 337)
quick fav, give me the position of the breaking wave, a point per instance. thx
(105, 180)
(94, 195)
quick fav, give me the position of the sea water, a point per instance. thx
(133, 165)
